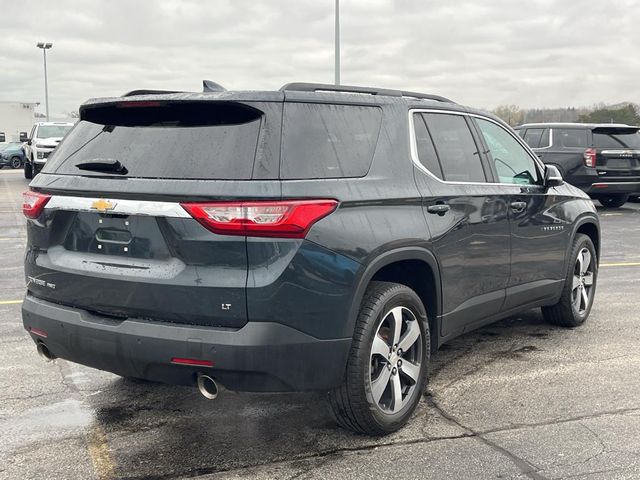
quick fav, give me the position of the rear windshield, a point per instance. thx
(328, 141)
(153, 140)
(49, 131)
(616, 139)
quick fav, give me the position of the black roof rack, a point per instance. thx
(148, 92)
(322, 87)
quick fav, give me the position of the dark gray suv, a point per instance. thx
(601, 159)
(313, 238)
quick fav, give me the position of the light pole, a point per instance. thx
(45, 46)
(337, 44)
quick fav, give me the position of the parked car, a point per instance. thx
(313, 238)
(44, 137)
(601, 159)
(11, 155)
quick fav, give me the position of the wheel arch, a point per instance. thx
(414, 267)
(589, 227)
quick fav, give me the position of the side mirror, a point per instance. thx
(28, 141)
(552, 177)
(23, 137)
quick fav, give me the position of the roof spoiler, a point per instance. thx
(148, 92)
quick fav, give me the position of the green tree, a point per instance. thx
(626, 114)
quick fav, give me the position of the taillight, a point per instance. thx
(282, 219)
(590, 157)
(33, 203)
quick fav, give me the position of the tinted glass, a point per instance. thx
(455, 147)
(513, 163)
(209, 141)
(48, 131)
(426, 151)
(545, 139)
(328, 141)
(615, 139)
(570, 138)
(533, 136)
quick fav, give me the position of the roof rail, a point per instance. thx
(148, 92)
(322, 87)
(209, 86)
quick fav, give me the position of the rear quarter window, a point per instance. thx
(328, 141)
(571, 138)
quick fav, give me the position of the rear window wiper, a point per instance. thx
(105, 165)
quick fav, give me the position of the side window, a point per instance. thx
(513, 163)
(426, 151)
(455, 147)
(570, 138)
(533, 136)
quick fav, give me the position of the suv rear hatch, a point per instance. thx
(113, 237)
(617, 152)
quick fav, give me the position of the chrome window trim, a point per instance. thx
(550, 139)
(413, 146)
(121, 206)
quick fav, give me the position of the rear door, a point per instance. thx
(115, 238)
(617, 153)
(539, 229)
(467, 217)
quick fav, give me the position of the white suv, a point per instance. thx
(44, 137)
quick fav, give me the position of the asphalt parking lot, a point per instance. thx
(515, 400)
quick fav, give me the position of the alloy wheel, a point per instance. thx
(395, 360)
(583, 276)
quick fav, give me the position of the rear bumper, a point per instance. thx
(609, 187)
(260, 357)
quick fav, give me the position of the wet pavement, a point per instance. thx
(518, 399)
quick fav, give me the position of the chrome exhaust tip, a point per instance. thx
(207, 386)
(44, 352)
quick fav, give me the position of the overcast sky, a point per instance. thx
(481, 53)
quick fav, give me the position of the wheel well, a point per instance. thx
(590, 230)
(418, 276)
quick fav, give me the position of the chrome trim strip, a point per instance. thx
(629, 151)
(414, 147)
(121, 207)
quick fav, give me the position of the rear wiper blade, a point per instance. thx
(106, 165)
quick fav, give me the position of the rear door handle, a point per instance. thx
(518, 206)
(438, 208)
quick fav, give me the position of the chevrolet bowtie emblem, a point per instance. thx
(102, 205)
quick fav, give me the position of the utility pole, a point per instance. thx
(337, 44)
(45, 46)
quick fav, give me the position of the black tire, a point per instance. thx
(634, 198)
(352, 403)
(564, 313)
(28, 171)
(613, 201)
(16, 162)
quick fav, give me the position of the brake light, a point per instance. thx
(139, 104)
(280, 219)
(590, 157)
(33, 203)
